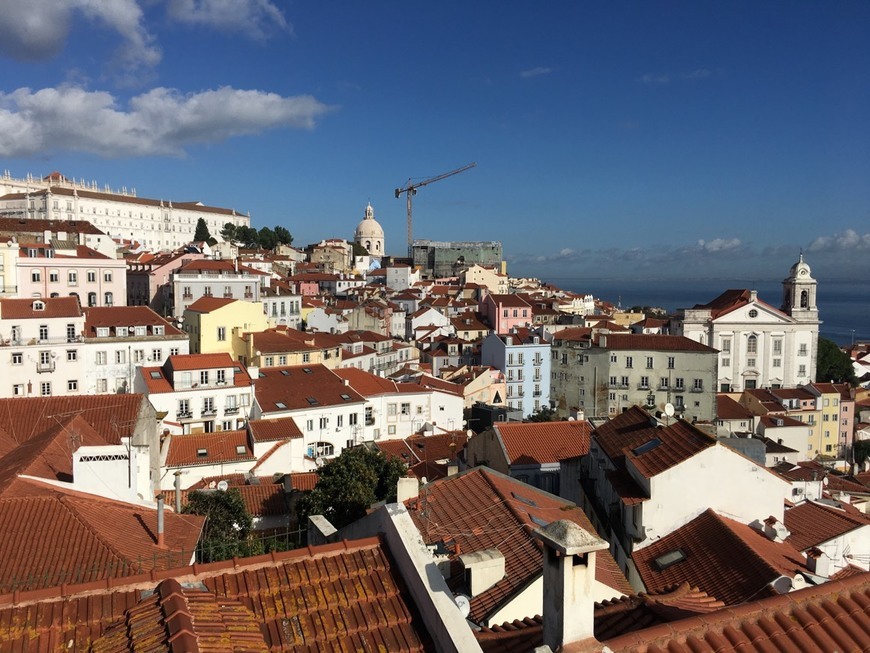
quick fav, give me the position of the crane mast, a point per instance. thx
(410, 189)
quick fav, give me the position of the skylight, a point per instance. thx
(156, 375)
(306, 370)
(646, 446)
(280, 404)
(285, 373)
(312, 401)
(240, 449)
(345, 397)
(201, 453)
(669, 559)
(540, 522)
(524, 500)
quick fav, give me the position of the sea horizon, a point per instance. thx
(844, 306)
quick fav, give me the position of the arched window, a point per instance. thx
(107, 299)
(92, 299)
(752, 345)
(805, 299)
(316, 449)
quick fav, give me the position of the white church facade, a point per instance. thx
(760, 346)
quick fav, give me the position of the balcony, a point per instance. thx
(249, 295)
(643, 386)
(537, 393)
(187, 296)
(231, 410)
(228, 295)
(209, 412)
(183, 414)
(45, 367)
(697, 389)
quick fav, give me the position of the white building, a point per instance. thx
(214, 278)
(40, 340)
(118, 340)
(154, 223)
(198, 393)
(760, 346)
(370, 234)
(524, 358)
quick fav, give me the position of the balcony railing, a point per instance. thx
(183, 414)
(208, 412)
(231, 410)
(45, 367)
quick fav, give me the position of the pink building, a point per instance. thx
(505, 312)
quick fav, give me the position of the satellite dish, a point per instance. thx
(798, 582)
(825, 481)
(223, 486)
(463, 603)
(669, 409)
(320, 461)
(212, 485)
(571, 419)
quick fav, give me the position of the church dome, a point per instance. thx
(800, 270)
(370, 234)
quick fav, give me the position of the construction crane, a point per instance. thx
(410, 189)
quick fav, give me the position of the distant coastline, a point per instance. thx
(844, 306)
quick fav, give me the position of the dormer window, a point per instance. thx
(121, 331)
(158, 329)
(102, 332)
(38, 306)
(140, 330)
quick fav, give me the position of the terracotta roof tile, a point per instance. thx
(724, 558)
(207, 304)
(338, 597)
(115, 316)
(812, 523)
(651, 342)
(544, 442)
(22, 309)
(301, 387)
(480, 509)
(271, 430)
(209, 449)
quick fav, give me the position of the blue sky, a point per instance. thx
(632, 139)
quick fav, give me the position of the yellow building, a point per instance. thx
(282, 346)
(211, 323)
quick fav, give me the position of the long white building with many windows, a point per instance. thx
(157, 224)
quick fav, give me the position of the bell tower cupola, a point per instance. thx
(799, 293)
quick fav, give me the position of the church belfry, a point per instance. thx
(799, 293)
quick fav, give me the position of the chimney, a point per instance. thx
(819, 562)
(452, 468)
(483, 569)
(161, 542)
(569, 578)
(177, 492)
(775, 530)
(408, 487)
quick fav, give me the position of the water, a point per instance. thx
(844, 306)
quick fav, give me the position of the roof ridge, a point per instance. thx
(64, 501)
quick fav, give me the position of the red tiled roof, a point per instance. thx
(651, 342)
(727, 408)
(623, 434)
(301, 387)
(365, 383)
(544, 442)
(182, 362)
(209, 303)
(271, 430)
(812, 524)
(481, 509)
(53, 535)
(724, 558)
(22, 309)
(833, 616)
(337, 597)
(262, 499)
(115, 316)
(209, 449)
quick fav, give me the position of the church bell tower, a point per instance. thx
(799, 293)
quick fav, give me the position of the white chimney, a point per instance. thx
(483, 569)
(819, 562)
(408, 487)
(569, 578)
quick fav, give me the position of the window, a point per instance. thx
(726, 362)
(623, 381)
(72, 355)
(802, 350)
(72, 278)
(107, 276)
(173, 351)
(108, 299)
(352, 419)
(183, 407)
(17, 358)
(612, 358)
(777, 362)
(320, 449)
(269, 361)
(36, 276)
(391, 429)
(629, 362)
(92, 276)
(72, 385)
(45, 388)
(406, 409)
(777, 346)
(18, 390)
(157, 355)
(138, 355)
(43, 332)
(282, 359)
(101, 358)
(753, 313)
(339, 421)
(644, 382)
(752, 345)
(649, 362)
(391, 410)
(102, 385)
(309, 425)
(678, 383)
(306, 357)
(120, 357)
(671, 362)
(92, 299)
(802, 370)
(663, 382)
(203, 377)
(221, 377)
(726, 345)
(208, 405)
(53, 276)
(698, 385)
(612, 380)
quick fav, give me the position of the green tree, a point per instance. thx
(284, 237)
(228, 233)
(359, 250)
(228, 529)
(861, 451)
(247, 237)
(267, 238)
(201, 233)
(832, 364)
(350, 483)
(543, 414)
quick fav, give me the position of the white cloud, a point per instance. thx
(719, 244)
(255, 18)
(655, 79)
(535, 72)
(157, 123)
(39, 29)
(700, 73)
(848, 240)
